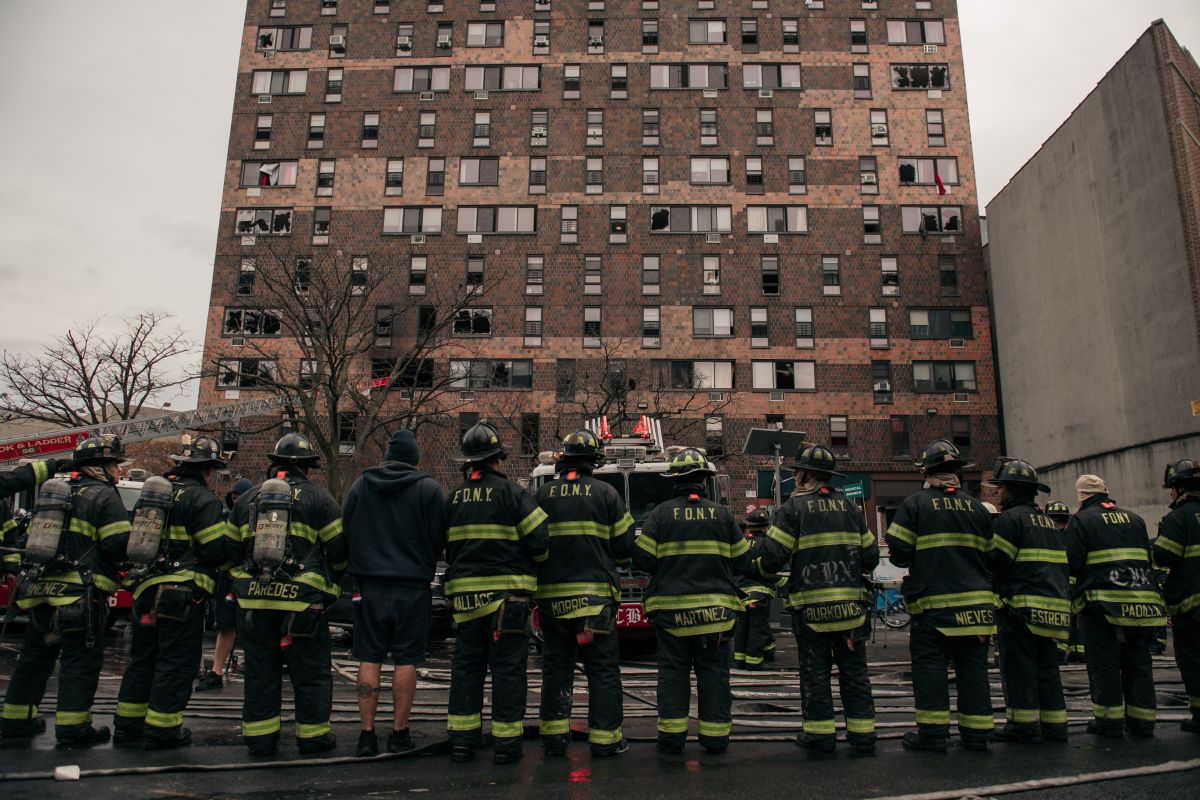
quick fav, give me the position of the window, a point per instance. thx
(947, 275)
(595, 36)
(382, 6)
(359, 270)
(594, 176)
(901, 440)
(593, 271)
(535, 274)
(618, 81)
(931, 219)
(445, 38)
(279, 81)
(435, 176)
(831, 275)
(564, 379)
(418, 273)
(759, 329)
(649, 176)
(497, 219)
(316, 131)
(839, 432)
(325, 175)
(920, 76)
(689, 76)
(370, 130)
(935, 128)
(649, 36)
(571, 81)
(889, 275)
(404, 39)
(533, 326)
(422, 79)
(412, 219)
(928, 171)
(264, 221)
(591, 326)
(804, 328)
(278, 9)
(764, 127)
(696, 375)
(708, 126)
(650, 126)
(466, 419)
(478, 171)
(784, 375)
(303, 275)
(771, 76)
(796, 175)
(427, 129)
(691, 219)
(651, 274)
(862, 81)
(251, 322)
(427, 320)
(750, 35)
(872, 229)
(881, 382)
(712, 321)
(777, 219)
(269, 173)
(618, 224)
(474, 273)
(539, 127)
(384, 318)
(337, 41)
(393, 182)
(485, 34)
(246, 273)
(940, 323)
(569, 224)
(541, 38)
(651, 327)
(488, 374)
(769, 268)
(482, 131)
(868, 175)
(823, 126)
(508, 79)
(916, 31)
(595, 128)
(706, 31)
(711, 274)
(530, 434)
(537, 176)
(879, 127)
(858, 36)
(754, 175)
(472, 322)
(710, 170)
(333, 86)
(960, 434)
(714, 435)
(246, 373)
(943, 376)
(329, 8)
(791, 35)
(877, 327)
(262, 132)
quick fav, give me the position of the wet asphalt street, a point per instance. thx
(761, 762)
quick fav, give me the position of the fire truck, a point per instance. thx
(636, 466)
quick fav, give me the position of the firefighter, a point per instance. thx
(66, 596)
(1060, 515)
(1109, 552)
(824, 539)
(496, 536)
(1029, 565)
(943, 535)
(292, 555)
(591, 535)
(693, 551)
(753, 641)
(1178, 549)
(21, 479)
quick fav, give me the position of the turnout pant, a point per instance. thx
(1120, 673)
(1187, 657)
(1033, 693)
(78, 673)
(932, 654)
(476, 648)
(818, 653)
(678, 657)
(752, 637)
(602, 665)
(162, 665)
(267, 646)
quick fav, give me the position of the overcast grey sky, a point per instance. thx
(114, 125)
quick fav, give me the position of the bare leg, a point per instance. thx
(368, 694)
(404, 689)
(223, 648)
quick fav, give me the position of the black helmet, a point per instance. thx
(758, 518)
(103, 449)
(480, 443)
(1016, 472)
(294, 448)
(204, 450)
(582, 444)
(1180, 472)
(1056, 509)
(941, 453)
(689, 463)
(816, 458)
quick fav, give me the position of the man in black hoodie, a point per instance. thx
(394, 521)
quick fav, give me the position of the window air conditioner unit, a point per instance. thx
(882, 386)
(539, 132)
(958, 343)
(879, 130)
(474, 238)
(268, 53)
(443, 42)
(481, 95)
(337, 43)
(777, 397)
(712, 238)
(770, 238)
(417, 238)
(426, 95)
(716, 397)
(869, 178)
(595, 41)
(542, 3)
(961, 397)
(765, 93)
(710, 94)
(237, 341)
(404, 43)
(541, 41)
(264, 99)
(931, 48)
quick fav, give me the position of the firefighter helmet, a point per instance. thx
(816, 458)
(294, 448)
(758, 518)
(481, 442)
(941, 454)
(689, 463)
(1015, 472)
(582, 444)
(103, 449)
(1057, 509)
(204, 450)
(1181, 472)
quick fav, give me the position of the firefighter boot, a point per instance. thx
(84, 737)
(556, 745)
(915, 740)
(22, 728)
(817, 744)
(320, 744)
(176, 737)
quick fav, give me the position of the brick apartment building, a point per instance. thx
(736, 202)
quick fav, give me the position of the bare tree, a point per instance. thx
(353, 375)
(87, 377)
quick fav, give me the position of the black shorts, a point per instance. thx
(392, 618)
(224, 606)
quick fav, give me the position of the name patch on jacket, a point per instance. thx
(565, 606)
(833, 613)
(700, 616)
(462, 603)
(44, 589)
(276, 591)
(473, 494)
(974, 616)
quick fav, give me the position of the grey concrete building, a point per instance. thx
(1094, 250)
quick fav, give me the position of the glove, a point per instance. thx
(56, 465)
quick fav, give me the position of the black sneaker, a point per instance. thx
(84, 737)
(607, 750)
(400, 741)
(368, 744)
(818, 744)
(210, 682)
(22, 728)
(461, 754)
(506, 756)
(182, 739)
(320, 744)
(929, 744)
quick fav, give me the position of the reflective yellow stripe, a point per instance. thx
(854, 725)
(622, 525)
(554, 727)
(463, 722)
(1117, 554)
(820, 727)
(62, 718)
(40, 471)
(507, 730)
(319, 583)
(311, 730)
(527, 525)
(330, 531)
(131, 710)
(826, 595)
(1164, 542)
(1192, 551)
(13, 711)
(211, 533)
(547, 591)
(158, 719)
(931, 540)
(754, 660)
(782, 537)
(580, 528)
(902, 533)
(484, 583)
(262, 727)
(476, 613)
(702, 548)
(203, 582)
(648, 544)
(1186, 605)
(601, 736)
(302, 531)
(82, 527)
(1042, 554)
(1022, 715)
(1004, 546)
(828, 539)
(953, 600)
(1144, 714)
(933, 717)
(1108, 712)
(1056, 716)
(177, 533)
(715, 728)
(700, 630)
(1122, 596)
(867, 540)
(979, 722)
(461, 533)
(678, 602)
(673, 725)
(113, 529)
(1038, 601)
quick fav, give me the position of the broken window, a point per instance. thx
(927, 171)
(691, 219)
(769, 268)
(251, 322)
(473, 322)
(246, 373)
(920, 76)
(302, 278)
(264, 221)
(269, 173)
(784, 375)
(931, 219)
(322, 217)
(290, 38)
(246, 273)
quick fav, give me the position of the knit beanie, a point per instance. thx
(403, 447)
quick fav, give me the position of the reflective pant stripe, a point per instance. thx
(933, 717)
(820, 727)
(860, 725)
(715, 728)
(554, 727)
(1055, 717)
(1023, 715)
(312, 730)
(72, 718)
(1108, 712)
(739, 656)
(261, 727)
(979, 722)
(679, 725)
(464, 722)
(754, 659)
(601, 736)
(158, 719)
(131, 710)
(1144, 714)
(507, 730)
(18, 712)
